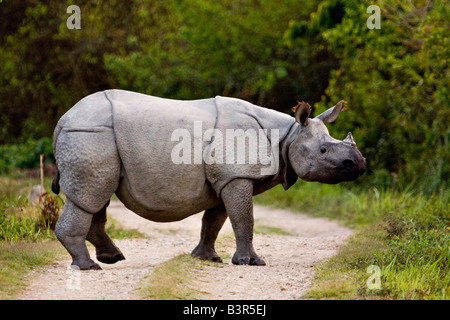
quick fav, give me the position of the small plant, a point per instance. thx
(50, 208)
(394, 227)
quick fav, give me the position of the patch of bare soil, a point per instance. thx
(287, 275)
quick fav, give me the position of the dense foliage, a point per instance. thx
(396, 78)
(397, 82)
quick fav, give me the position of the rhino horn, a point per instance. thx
(331, 114)
(349, 139)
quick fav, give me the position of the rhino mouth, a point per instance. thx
(353, 169)
(347, 171)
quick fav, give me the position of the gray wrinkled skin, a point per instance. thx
(120, 142)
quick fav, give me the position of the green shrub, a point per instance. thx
(21, 220)
(15, 224)
(26, 155)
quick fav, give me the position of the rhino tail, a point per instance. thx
(55, 183)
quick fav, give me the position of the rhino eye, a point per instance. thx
(323, 149)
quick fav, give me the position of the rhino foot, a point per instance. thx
(86, 265)
(252, 261)
(206, 255)
(110, 258)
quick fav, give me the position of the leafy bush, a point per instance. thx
(26, 155)
(396, 81)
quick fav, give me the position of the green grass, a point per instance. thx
(405, 234)
(19, 258)
(25, 242)
(262, 229)
(19, 219)
(115, 231)
(171, 280)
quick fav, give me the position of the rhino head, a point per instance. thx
(316, 156)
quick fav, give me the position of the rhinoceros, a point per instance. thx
(169, 159)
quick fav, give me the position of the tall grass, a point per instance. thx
(405, 233)
(19, 219)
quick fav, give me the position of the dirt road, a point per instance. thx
(287, 275)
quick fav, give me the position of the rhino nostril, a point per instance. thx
(348, 164)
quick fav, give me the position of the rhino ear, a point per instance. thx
(331, 114)
(302, 111)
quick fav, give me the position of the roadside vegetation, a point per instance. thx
(174, 279)
(27, 238)
(403, 233)
(19, 218)
(171, 280)
(26, 241)
(18, 258)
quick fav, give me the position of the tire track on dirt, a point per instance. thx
(287, 275)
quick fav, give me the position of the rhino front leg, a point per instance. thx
(71, 230)
(238, 199)
(212, 221)
(106, 250)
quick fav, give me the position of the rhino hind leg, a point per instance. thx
(212, 221)
(106, 250)
(71, 230)
(89, 167)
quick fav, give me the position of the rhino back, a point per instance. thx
(152, 185)
(90, 112)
